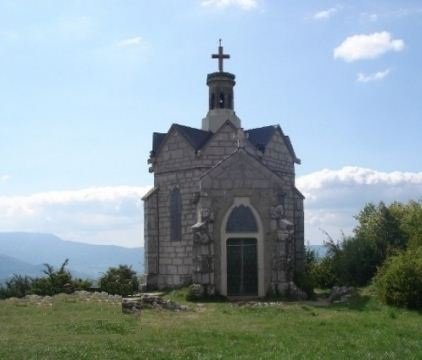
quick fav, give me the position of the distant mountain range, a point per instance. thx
(24, 253)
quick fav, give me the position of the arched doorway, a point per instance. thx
(242, 251)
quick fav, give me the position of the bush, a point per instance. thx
(305, 280)
(54, 282)
(399, 280)
(18, 286)
(323, 273)
(121, 281)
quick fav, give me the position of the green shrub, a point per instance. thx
(305, 279)
(18, 286)
(54, 282)
(324, 274)
(399, 280)
(121, 281)
(305, 282)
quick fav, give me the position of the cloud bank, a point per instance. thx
(103, 215)
(114, 215)
(243, 4)
(363, 47)
(333, 197)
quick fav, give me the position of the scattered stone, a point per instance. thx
(340, 294)
(150, 301)
(131, 305)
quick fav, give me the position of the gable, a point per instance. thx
(262, 137)
(174, 152)
(223, 139)
(194, 137)
(242, 166)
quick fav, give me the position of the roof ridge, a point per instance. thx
(190, 127)
(262, 127)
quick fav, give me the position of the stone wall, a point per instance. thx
(151, 237)
(177, 165)
(279, 159)
(243, 176)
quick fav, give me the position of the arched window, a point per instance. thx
(175, 215)
(241, 220)
(221, 101)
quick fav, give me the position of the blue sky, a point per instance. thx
(85, 83)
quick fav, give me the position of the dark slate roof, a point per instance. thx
(195, 137)
(157, 138)
(260, 137)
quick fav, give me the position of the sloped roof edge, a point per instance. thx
(150, 193)
(243, 151)
(195, 137)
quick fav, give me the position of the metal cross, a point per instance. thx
(220, 56)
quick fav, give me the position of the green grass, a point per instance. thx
(69, 329)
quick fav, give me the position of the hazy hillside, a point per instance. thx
(10, 265)
(34, 249)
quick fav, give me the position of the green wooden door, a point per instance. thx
(242, 267)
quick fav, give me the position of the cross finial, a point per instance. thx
(220, 56)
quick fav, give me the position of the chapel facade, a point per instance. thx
(224, 211)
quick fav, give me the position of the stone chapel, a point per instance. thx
(224, 211)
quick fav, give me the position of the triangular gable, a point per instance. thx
(241, 152)
(215, 135)
(260, 137)
(194, 137)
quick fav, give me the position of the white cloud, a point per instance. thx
(114, 215)
(361, 47)
(325, 14)
(379, 75)
(333, 197)
(133, 41)
(243, 4)
(4, 178)
(96, 215)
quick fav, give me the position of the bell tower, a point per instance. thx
(221, 99)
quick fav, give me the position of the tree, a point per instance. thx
(399, 280)
(381, 232)
(57, 281)
(380, 227)
(119, 280)
(410, 218)
(18, 286)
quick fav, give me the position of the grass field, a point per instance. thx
(71, 329)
